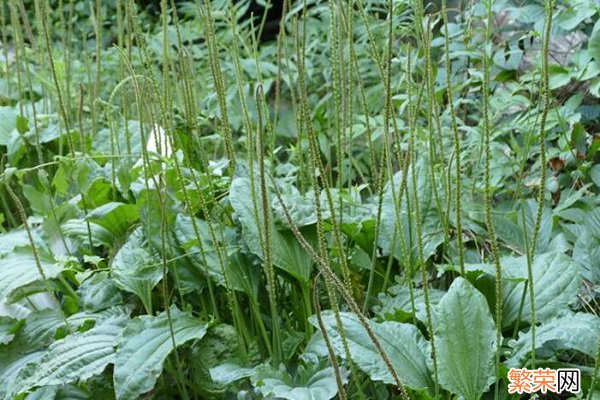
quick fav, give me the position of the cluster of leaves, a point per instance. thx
(359, 209)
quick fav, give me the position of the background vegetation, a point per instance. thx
(386, 199)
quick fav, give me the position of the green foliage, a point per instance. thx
(310, 385)
(78, 356)
(402, 342)
(135, 269)
(465, 335)
(145, 344)
(21, 268)
(391, 199)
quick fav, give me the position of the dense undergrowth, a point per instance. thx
(388, 201)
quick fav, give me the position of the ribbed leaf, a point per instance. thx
(229, 372)
(99, 292)
(115, 217)
(429, 218)
(556, 280)
(18, 268)
(12, 239)
(78, 319)
(78, 356)
(8, 122)
(135, 269)
(209, 261)
(465, 340)
(12, 364)
(78, 228)
(586, 253)
(288, 255)
(40, 329)
(308, 385)
(219, 345)
(397, 305)
(403, 343)
(145, 345)
(579, 332)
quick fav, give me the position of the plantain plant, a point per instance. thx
(388, 199)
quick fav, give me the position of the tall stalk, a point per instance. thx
(267, 241)
(219, 83)
(412, 155)
(488, 190)
(548, 4)
(57, 84)
(457, 144)
(336, 87)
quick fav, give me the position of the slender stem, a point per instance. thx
(488, 191)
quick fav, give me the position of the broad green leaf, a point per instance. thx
(12, 366)
(40, 201)
(8, 122)
(579, 332)
(509, 226)
(135, 269)
(40, 328)
(465, 341)
(291, 257)
(309, 385)
(393, 219)
(115, 217)
(98, 292)
(396, 305)
(594, 41)
(144, 347)
(556, 281)
(586, 253)
(19, 268)
(508, 231)
(148, 202)
(302, 208)
(403, 343)
(572, 17)
(26, 291)
(12, 239)
(545, 232)
(49, 133)
(245, 275)
(247, 206)
(228, 373)
(205, 257)
(71, 392)
(592, 222)
(219, 347)
(77, 320)
(287, 252)
(78, 228)
(78, 356)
